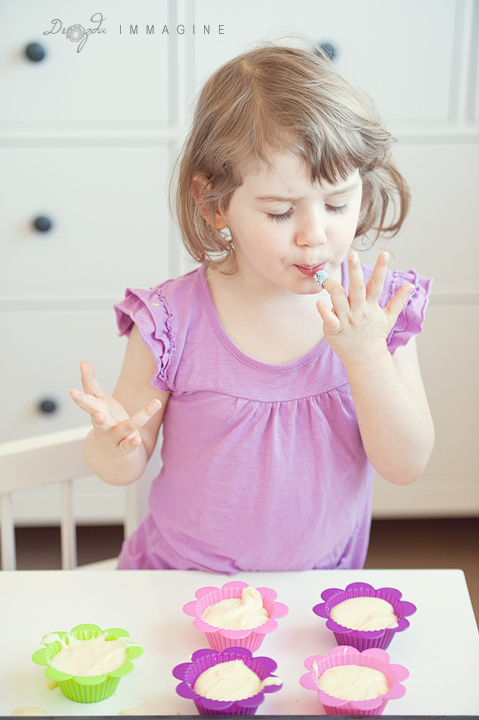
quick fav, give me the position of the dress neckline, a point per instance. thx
(237, 352)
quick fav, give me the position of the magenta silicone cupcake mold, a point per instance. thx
(201, 660)
(346, 655)
(364, 639)
(220, 638)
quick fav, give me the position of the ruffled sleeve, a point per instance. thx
(411, 319)
(149, 311)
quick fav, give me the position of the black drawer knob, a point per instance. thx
(47, 406)
(42, 224)
(329, 50)
(35, 52)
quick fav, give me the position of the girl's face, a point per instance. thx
(284, 228)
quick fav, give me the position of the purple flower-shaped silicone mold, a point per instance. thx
(201, 660)
(219, 638)
(345, 655)
(364, 639)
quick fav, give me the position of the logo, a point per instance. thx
(77, 33)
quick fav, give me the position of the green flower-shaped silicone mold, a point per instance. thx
(88, 688)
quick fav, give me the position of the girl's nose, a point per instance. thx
(312, 231)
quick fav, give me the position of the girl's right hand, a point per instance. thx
(114, 427)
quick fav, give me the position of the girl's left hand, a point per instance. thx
(356, 327)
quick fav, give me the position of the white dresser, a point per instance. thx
(89, 132)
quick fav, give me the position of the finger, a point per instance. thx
(88, 403)
(375, 283)
(101, 421)
(357, 288)
(397, 304)
(90, 384)
(129, 427)
(339, 300)
(130, 444)
(331, 322)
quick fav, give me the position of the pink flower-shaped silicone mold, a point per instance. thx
(201, 660)
(219, 638)
(364, 639)
(346, 655)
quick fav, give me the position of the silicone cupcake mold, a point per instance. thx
(86, 688)
(201, 660)
(345, 655)
(364, 639)
(219, 638)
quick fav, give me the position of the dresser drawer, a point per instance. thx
(400, 52)
(39, 363)
(109, 219)
(111, 77)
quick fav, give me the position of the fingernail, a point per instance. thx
(411, 289)
(353, 256)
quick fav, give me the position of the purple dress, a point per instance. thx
(263, 465)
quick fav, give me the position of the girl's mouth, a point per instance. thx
(310, 270)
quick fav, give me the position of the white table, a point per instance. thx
(149, 605)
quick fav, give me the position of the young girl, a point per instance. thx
(277, 406)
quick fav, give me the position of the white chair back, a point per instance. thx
(52, 458)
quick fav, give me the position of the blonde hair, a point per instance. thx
(282, 99)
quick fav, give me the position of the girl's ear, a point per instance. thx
(197, 186)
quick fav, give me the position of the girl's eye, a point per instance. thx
(339, 209)
(281, 217)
